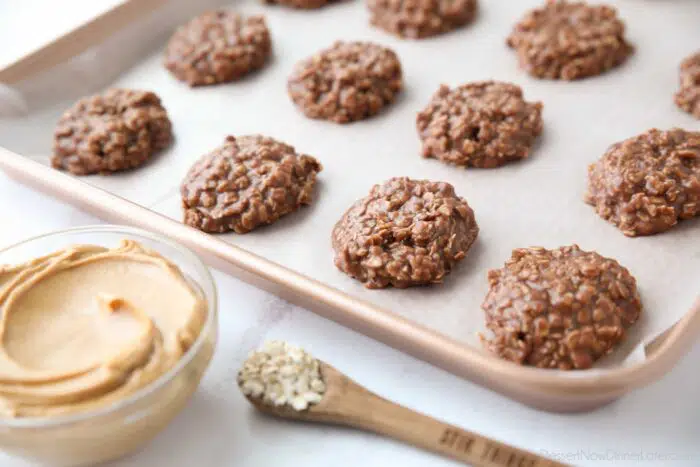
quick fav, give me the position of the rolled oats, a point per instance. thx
(281, 374)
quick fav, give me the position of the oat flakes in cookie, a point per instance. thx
(110, 132)
(570, 40)
(347, 82)
(688, 96)
(417, 19)
(404, 233)
(248, 182)
(562, 309)
(218, 47)
(300, 4)
(647, 183)
(483, 124)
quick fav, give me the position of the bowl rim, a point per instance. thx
(162, 380)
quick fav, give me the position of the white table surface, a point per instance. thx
(659, 425)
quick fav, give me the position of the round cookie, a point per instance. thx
(117, 130)
(404, 233)
(688, 96)
(248, 182)
(218, 47)
(561, 309)
(647, 183)
(483, 124)
(300, 4)
(569, 40)
(417, 19)
(347, 82)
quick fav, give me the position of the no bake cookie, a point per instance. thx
(688, 96)
(347, 82)
(218, 47)
(570, 40)
(417, 19)
(300, 4)
(247, 182)
(647, 183)
(404, 233)
(110, 132)
(484, 124)
(561, 309)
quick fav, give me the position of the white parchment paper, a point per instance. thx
(536, 202)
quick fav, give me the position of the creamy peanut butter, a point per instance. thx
(87, 326)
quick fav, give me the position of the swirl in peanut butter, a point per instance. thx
(88, 326)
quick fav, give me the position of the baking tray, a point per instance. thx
(536, 202)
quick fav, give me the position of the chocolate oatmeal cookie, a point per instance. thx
(562, 308)
(218, 47)
(416, 19)
(301, 4)
(484, 124)
(347, 82)
(404, 233)
(248, 182)
(118, 130)
(688, 96)
(647, 183)
(570, 40)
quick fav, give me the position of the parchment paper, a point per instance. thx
(536, 202)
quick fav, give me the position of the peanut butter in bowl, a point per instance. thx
(100, 347)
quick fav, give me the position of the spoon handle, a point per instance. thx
(378, 415)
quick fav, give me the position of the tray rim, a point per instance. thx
(543, 389)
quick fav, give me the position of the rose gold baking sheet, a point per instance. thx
(536, 202)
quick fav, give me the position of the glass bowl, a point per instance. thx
(113, 431)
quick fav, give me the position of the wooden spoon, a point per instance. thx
(347, 403)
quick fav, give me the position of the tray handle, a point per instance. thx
(77, 41)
